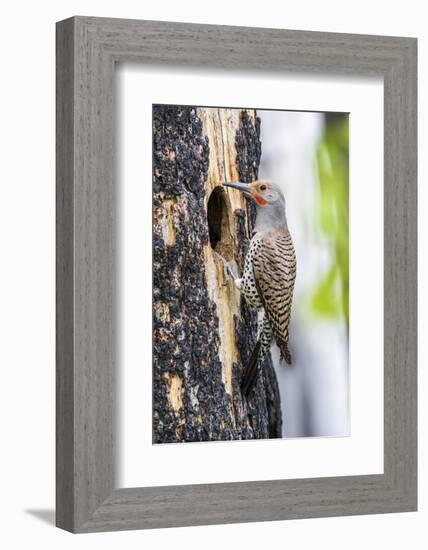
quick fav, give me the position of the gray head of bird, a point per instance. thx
(269, 200)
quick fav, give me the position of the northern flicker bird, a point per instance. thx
(269, 274)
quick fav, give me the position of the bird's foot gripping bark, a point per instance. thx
(228, 270)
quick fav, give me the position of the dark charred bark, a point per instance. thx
(203, 331)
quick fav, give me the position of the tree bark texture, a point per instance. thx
(203, 331)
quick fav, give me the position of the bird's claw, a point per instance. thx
(228, 271)
(227, 267)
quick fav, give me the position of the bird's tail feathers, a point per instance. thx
(285, 352)
(251, 372)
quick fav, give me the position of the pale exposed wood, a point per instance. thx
(220, 126)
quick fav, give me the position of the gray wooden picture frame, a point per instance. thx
(87, 50)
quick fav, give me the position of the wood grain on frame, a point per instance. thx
(87, 49)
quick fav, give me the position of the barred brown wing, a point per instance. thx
(274, 266)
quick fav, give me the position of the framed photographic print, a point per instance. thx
(236, 274)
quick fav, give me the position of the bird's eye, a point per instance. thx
(262, 187)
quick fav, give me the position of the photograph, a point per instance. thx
(250, 274)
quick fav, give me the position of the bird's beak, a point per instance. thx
(238, 185)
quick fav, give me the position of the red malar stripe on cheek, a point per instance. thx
(260, 199)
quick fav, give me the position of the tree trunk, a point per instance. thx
(203, 331)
